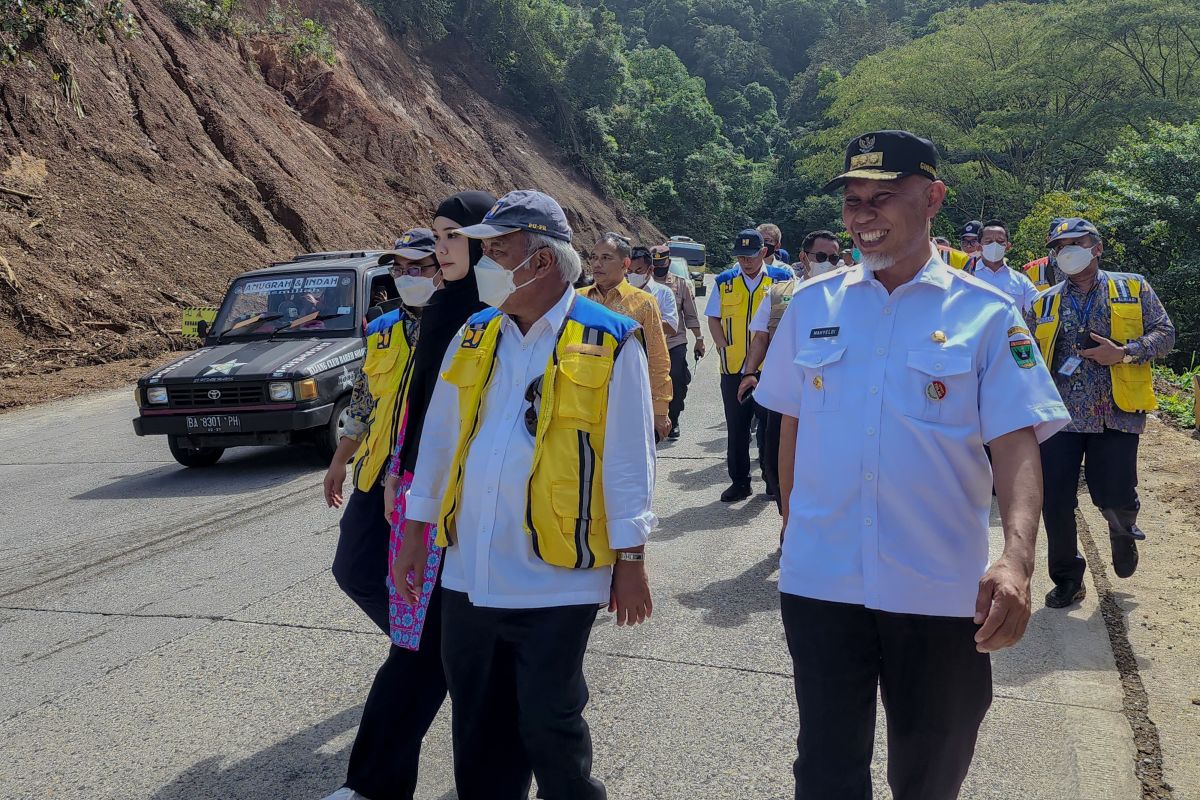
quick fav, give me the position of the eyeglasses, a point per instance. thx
(821, 258)
(412, 270)
(533, 395)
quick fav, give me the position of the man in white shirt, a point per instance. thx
(537, 465)
(641, 276)
(992, 268)
(891, 376)
(772, 238)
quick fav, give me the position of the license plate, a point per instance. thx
(215, 423)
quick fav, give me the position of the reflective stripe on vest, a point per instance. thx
(1132, 384)
(388, 367)
(1038, 273)
(738, 305)
(564, 503)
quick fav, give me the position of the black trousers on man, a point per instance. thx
(935, 687)
(681, 376)
(361, 561)
(516, 681)
(769, 455)
(408, 691)
(1109, 461)
(738, 417)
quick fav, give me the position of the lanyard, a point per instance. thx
(1086, 313)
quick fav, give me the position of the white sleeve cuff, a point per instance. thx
(626, 533)
(422, 509)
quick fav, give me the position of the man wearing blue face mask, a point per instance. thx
(537, 464)
(1097, 331)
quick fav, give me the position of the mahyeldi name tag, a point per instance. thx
(824, 333)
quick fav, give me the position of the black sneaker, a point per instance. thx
(674, 434)
(1065, 594)
(1124, 554)
(737, 491)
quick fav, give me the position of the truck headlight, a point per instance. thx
(306, 389)
(281, 390)
(156, 395)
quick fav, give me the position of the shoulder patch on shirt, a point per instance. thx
(1022, 353)
(824, 333)
(1014, 330)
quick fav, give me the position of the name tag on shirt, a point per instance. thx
(1070, 365)
(824, 333)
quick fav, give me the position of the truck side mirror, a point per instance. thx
(202, 329)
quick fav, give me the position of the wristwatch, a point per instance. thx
(623, 556)
(1129, 357)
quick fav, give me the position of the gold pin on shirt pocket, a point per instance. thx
(819, 370)
(940, 386)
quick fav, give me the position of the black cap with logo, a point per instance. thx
(522, 210)
(887, 156)
(972, 228)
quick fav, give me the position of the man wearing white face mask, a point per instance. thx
(1098, 332)
(380, 385)
(992, 269)
(537, 463)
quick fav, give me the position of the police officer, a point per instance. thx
(891, 377)
(738, 291)
(1098, 331)
(360, 563)
(689, 320)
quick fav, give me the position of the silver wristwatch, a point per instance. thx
(631, 556)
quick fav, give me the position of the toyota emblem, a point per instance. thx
(214, 394)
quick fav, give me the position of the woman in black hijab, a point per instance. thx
(410, 686)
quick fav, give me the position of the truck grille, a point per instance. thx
(232, 394)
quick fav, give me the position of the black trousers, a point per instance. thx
(360, 563)
(769, 455)
(518, 692)
(737, 430)
(681, 376)
(404, 700)
(935, 687)
(1109, 461)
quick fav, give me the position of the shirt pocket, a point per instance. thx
(822, 377)
(940, 386)
(579, 392)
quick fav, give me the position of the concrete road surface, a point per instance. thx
(169, 633)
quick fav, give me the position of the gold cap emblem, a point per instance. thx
(866, 144)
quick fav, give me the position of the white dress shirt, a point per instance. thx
(895, 396)
(713, 307)
(1013, 282)
(668, 309)
(493, 560)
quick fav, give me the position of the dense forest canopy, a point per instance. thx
(711, 115)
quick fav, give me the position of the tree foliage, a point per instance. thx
(26, 24)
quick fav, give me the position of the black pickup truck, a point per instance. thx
(277, 364)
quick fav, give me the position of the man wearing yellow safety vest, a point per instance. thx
(376, 414)
(537, 463)
(737, 293)
(1098, 332)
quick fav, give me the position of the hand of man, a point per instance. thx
(1105, 352)
(1002, 606)
(698, 350)
(335, 478)
(389, 496)
(410, 559)
(662, 425)
(748, 383)
(630, 596)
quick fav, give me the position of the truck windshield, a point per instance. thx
(288, 303)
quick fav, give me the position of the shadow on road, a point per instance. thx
(731, 602)
(710, 478)
(300, 766)
(239, 472)
(714, 516)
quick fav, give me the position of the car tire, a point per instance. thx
(193, 456)
(331, 434)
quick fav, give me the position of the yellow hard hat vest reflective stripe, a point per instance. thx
(388, 367)
(565, 514)
(1132, 384)
(738, 305)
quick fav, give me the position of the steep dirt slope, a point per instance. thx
(197, 158)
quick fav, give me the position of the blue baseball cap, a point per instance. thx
(747, 243)
(416, 244)
(522, 210)
(1070, 228)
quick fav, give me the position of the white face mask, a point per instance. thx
(496, 284)
(415, 291)
(1074, 259)
(638, 280)
(993, 251)
(816, 268)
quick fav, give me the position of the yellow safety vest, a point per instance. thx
(1132, 384)
(564, 507)
(956, 259)
(738, 305)
(388, 367)
(1040, 273)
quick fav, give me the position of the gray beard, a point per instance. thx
(877, 263)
